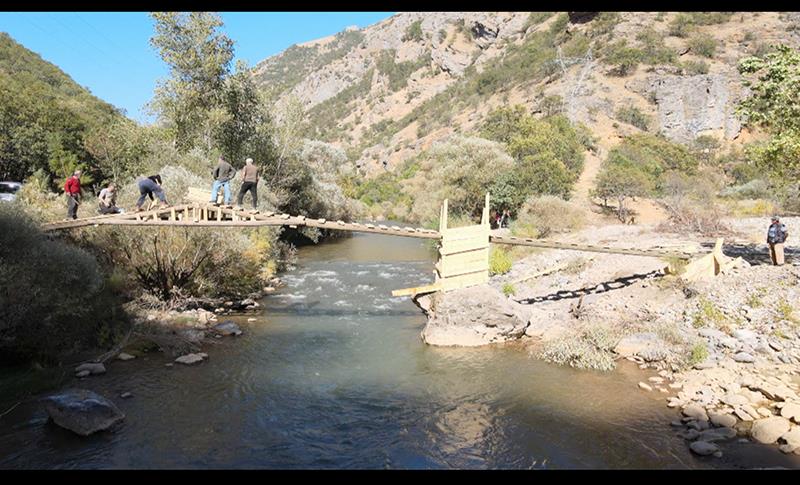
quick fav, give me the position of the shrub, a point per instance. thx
(499, 261)
(508, 289)
(54, 297)
(754, 189)
(681, 25)
(624, 58)
(707, 314)
(703, 44)
(459, 169)
(542, 216)
(413, 32)
(588, 348)
(698, 354)
(633, 116)
(694, 68)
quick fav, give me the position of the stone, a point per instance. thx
(734, 399)
(791, 440)
(725, 420)
(190, 359)
(92, 367)
(744, 357)
(476, 316)
(751, 411)
(676, 423)
(82, 411)
(169, 364)
(791, 411)
(251, 320)
(775, 345)
(644, 386)
(82, 374)
(699, 425)
(703, 448)
(126, 395)
(764, 412)
(744, 334)
(123, 356)
(227, 328)
(768, 430)
(696, 412)
(741, 414)
(717, 434)
(657, 380)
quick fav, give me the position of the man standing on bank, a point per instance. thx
(776, 236)
(249, 184)
(73, 190)
(222, 174)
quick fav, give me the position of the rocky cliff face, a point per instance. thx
(390, 90)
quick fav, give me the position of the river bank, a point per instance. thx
(724, 352)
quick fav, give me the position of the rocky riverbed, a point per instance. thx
(725, 352)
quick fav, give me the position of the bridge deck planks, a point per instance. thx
(203, 215)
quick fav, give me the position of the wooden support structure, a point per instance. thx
(463, 255)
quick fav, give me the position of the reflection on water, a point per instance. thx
(334, 375)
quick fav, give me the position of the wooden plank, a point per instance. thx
(417, 290)
(590, 248)
(459, 246)
(467, 262)
(463, 281)
(465, 232)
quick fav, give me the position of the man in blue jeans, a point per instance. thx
(149, 186)
(222, 174)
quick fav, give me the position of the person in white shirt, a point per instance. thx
(108, 200)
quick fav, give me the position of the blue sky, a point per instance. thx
(109, 52)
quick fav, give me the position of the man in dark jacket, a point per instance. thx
(222, 174)
(776, 236)
(73, 190)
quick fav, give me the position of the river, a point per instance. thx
(334, 375)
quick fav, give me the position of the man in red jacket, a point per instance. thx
(73, 190)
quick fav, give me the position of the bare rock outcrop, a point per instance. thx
(470, 317)
(690, 106)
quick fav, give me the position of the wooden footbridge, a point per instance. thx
(464, 251)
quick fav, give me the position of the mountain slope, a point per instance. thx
(41, 107)
(388, 91)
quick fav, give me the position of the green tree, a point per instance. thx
(774, 104)
(621, 182)
(199, 58)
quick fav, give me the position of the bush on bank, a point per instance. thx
(55, 298)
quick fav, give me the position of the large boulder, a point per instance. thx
(470, 317)
(190, 359)
(227, 328)
(82, 411)
(770, 429)
(93, 368)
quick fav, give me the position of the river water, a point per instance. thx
(334, 375)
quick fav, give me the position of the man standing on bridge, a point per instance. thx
(222, 174)
(776, 236)
(73, 190)
(249, 184)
